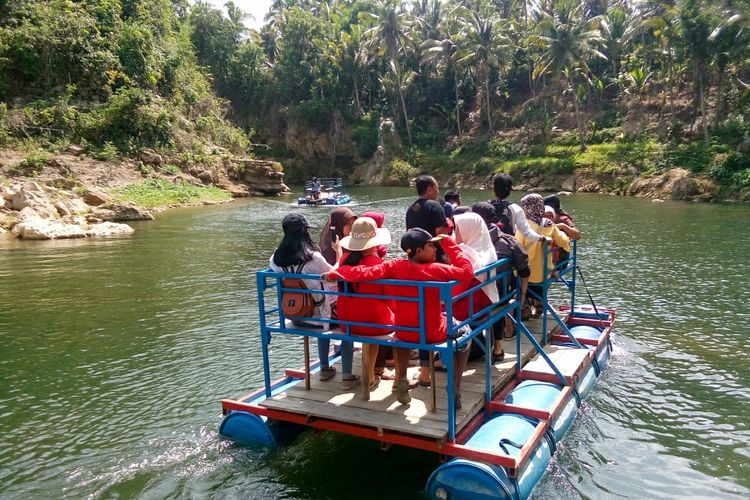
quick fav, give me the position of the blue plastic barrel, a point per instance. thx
(467, 479)
(585, 332)
(541, 396)
(586, 383)
(589, 313)
(248, 429)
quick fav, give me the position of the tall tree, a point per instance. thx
(570, 41)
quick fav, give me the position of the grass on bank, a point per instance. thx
(152, 193)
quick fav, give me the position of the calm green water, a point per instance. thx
(114, 355)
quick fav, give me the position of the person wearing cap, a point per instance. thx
(297, 253)
(533, 206)
(361, 249)
(421, 249)
(506, 247)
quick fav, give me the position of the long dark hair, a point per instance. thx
(353, 258)
(296, 248)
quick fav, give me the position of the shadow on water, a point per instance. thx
(114, 355)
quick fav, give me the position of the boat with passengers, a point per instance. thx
(513, 413)
(331, 191)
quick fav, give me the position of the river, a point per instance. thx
(115, 354)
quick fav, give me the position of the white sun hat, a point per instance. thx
(365, 234)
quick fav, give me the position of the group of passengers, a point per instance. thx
(443, 241)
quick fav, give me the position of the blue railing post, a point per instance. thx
(545, 281)
(265, 337)
(574, 257)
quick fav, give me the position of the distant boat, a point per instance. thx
(332, 193)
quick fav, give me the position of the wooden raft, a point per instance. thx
(382, 411)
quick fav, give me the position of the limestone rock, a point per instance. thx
(33, 195)
(266, 177)
(45, 229)
(96, 197)
(76, 150)
(121, 212)
(151, 157)
(569, 184)
(93, 220)
(675, 184)
(108, 229)
(61, 208)
(77, 206)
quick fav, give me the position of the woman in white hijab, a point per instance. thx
(475, 242)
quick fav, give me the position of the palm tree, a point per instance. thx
(389, 38)
(397, 81)
(484, 46)
(570, 41)
(729, 41)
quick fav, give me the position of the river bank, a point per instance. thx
(71, 195)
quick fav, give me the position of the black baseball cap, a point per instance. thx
(415, 238)
(295, 222)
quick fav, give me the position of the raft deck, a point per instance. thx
(326, 400)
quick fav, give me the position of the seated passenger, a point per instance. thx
(338, 225)
(564, 223)
(474, 240)
(297, 253)
(420, 246)
(506, 247)
(361, 248)
(533, 206)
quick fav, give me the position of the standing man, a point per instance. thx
(427, 213)
(315, 188)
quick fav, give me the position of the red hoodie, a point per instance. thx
(407, 313)
(366, 309)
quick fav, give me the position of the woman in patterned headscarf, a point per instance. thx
(533, 207)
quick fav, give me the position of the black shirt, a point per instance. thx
(426, 214)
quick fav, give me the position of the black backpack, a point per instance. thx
(503, 216)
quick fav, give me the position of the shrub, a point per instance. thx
(400, 170)
(365, 134)
(726, 167)
(171, 169)
(30, 166)
(108, 152)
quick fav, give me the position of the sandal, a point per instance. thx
(423, 383)
(375, 382)
(498, 358)
(327, 373)
(386, 374)
(347, 384)
(526, 312)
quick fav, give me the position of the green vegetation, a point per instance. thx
(160, 192)
(474, 87)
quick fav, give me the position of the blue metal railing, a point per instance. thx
(272, 318)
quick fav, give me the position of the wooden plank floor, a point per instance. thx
(326, 399)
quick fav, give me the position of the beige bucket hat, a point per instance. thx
(365, 234)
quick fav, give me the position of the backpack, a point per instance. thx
(296, 304)
(503, 216)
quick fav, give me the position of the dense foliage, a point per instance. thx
(107, 73)
(456, 76)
